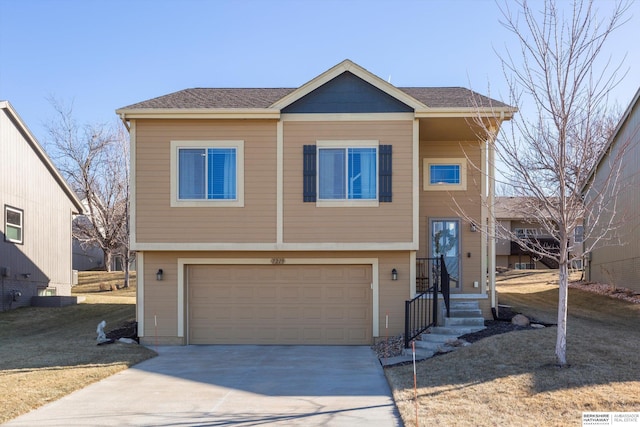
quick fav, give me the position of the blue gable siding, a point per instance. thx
(347, 93)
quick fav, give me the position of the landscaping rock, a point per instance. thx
(520, 320)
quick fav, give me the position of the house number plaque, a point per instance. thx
(277, 260)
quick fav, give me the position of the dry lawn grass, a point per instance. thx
(47, 353)
(512, 379)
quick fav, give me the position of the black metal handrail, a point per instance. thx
(421, 313)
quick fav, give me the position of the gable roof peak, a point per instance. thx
(348, 66)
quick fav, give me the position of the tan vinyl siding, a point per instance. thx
(454, 205)
(161, 297)
(26, 184)
(157, 221)
(388, 222)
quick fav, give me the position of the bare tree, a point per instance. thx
(561, 84)
(94, 161)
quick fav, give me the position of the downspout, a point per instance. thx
(124, 122)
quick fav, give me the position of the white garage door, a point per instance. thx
(280, 304)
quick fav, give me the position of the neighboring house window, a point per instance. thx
(526, 232)
(445, 174)
(13, 224)
(207, 173)
(344, 173)
(525, 266)
(579, 233)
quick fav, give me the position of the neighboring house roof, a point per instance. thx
(42, 155)
(425, 100)
(516, 208)
(612, 139)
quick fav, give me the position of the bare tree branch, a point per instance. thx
(94, 160)
(560, 84)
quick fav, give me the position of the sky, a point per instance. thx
(107, 54)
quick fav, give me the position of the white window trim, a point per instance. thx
(427, 162)
(21, 226)
(341, 203)
(237, 203)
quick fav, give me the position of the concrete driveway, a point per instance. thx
(233, 385)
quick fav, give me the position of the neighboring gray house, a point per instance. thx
(38, 206)
(620, 264)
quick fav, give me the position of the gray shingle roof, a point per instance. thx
(240, 98)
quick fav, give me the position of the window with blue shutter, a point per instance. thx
(347, 173)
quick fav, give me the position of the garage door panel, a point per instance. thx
(267, 304)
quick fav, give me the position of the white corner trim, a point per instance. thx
(140, 293)
(416, 183)
(132, 188)
(280, 182)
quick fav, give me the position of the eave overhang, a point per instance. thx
(505, 113)
(199, 113)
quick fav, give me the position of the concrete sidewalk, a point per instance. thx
(233, 385)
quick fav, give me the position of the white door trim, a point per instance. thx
(183, 262)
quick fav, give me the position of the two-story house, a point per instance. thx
(37, 206)
(299, 215)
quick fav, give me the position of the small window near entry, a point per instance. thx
(445, 174)
(13, 224)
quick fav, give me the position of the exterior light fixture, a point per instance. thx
(473, 227)
(159, 274)
(394, 274)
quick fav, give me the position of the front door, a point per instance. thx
(445, 240)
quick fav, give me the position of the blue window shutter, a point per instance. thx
(385, 173)
(309, 174)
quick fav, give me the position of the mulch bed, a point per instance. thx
(125, 330)
(393, 346)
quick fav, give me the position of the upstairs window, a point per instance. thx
(13, 225)
(347, 173)
(445, 174)
(579, 234)
(207, 173)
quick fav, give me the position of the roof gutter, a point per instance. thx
(505, 113)
(199, 113)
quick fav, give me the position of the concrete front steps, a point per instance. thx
(465, 317)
